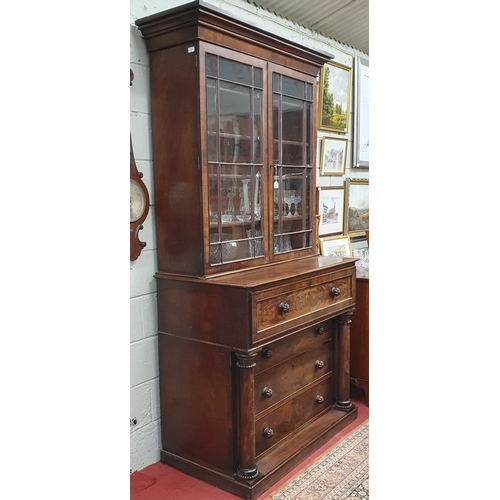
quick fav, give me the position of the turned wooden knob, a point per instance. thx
(319, 364)
(319, 331)
(335, 291)
(284, 307)
(267, 353)
(319, 399)
(268, 392)
(268, 432)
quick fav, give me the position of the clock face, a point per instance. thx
(137, 201)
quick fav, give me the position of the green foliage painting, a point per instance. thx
(335, 97)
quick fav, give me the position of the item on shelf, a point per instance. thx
(228, 249)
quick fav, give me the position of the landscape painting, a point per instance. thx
(336, 246)
(358, 208)
(335, 97)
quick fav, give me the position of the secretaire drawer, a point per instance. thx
(273, 427)
(288, 377)
(295, 304)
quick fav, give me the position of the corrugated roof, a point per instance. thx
(346, 21)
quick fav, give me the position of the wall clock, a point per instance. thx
(139, 202)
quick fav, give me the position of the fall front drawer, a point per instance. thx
(271, 428)
(276, 384)
(306, 300)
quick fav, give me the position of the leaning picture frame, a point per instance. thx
(361, 139)
(334, 97)
(357, 207)
(333, 156)
(336, 246)
(330, 210)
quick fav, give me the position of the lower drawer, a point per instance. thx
(275, 426)
(280, 350)
(276, 384)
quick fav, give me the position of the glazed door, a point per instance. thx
(293, 161)
(235, 120)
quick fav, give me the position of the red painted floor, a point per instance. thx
(160, 482)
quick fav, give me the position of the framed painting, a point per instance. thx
(333, 156)
(334, 97)
(337, 246)
(357, 207)
(330, 210)
(361, 139)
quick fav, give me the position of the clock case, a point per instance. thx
(136, 245)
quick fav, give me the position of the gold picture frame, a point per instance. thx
(333, 155)
(330, 208)
(334, 97)
(357, 207)
(336, 246)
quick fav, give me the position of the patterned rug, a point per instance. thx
(341, 473)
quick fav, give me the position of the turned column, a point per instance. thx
(247, 469)
(344, 346)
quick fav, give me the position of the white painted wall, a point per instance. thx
(144, 391)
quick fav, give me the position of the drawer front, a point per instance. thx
(275, 426)
(289, 307)
(274, 385)
(285, 348)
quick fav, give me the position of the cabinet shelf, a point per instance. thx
(228, 135)
(235, 223)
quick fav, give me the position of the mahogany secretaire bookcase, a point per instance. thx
(253, 323)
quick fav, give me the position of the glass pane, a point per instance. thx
(235, 124)
(292, 184)
(235, 197)
(234, 128)
(257, 77)
(213, 190)
(276, 82)
(276, 128)
(292, 209)
(293, 87)
(292, 119)
(308, 158)
(235, 71)
(293, 139)
(211, 65)
(309, 92)
(212, 124)
(257, 131)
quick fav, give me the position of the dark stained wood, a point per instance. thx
(360, 338)
(292, 414)
(199, 302)
(253, 361)
(200, 21)
(175, 130)
(305, 298)
(177, 50)
(246, 432)
(197, 421)
(290, 345)
(344, 343)
(290, 376)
